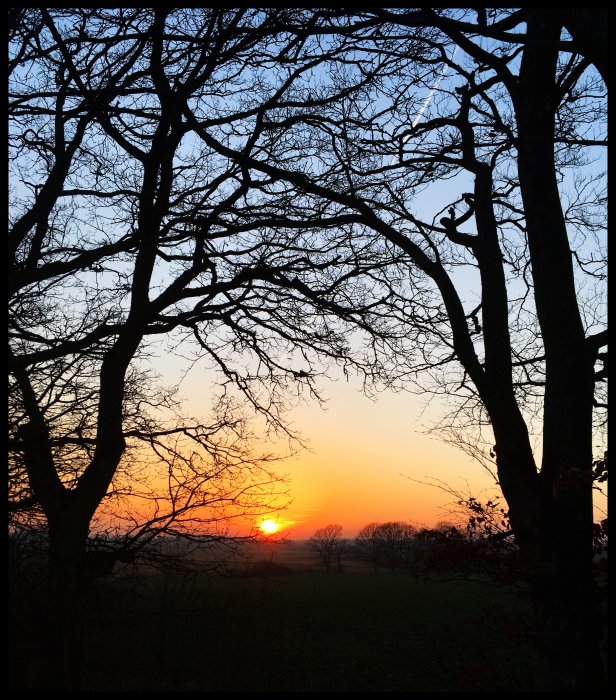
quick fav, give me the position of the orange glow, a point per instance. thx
(367, 461)
(269, 527)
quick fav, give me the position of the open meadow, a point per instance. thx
(279, 623)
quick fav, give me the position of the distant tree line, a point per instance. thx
(388, 545)
(478, 544)
(399, 546)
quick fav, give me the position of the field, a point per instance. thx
(293, 627)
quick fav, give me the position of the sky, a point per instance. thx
(367, 456)
(363, 461)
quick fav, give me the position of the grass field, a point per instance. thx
(304, 631)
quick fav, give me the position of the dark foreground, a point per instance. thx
(298, 630)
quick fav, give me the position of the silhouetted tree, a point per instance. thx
(476, 543)
(389, 544)
(395, 540)
(367, 544)
(253, 180)
(343, 551)
(519, 346)
(327, 543)
(125, 228)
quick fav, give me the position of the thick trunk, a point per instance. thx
(557, 560)
(560, 545)
(517, 470)
(589, 29)
(61, 667)
(564, 596)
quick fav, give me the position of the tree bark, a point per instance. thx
(560, 543)
(588, 27)
(62, 661)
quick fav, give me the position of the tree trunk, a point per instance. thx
(560, 545)
(588, 27)
(564, 597)
(62, 663)
(557, 556)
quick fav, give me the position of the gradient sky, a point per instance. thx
(363, 456)
(366, 460)
(363, 460)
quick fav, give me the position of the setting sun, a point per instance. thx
(269, 527)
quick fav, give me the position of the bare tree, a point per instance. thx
(253, 181)
(496, 300)
(342, 552)
(328, 545)
(367, 544)
(396, 544)
(389, 544)
(126, 229)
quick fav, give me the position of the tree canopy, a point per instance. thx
(413, 194)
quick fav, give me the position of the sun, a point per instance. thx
(269, 527)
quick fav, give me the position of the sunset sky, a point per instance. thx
(363, 453)
(363, 460)
(360, 457)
